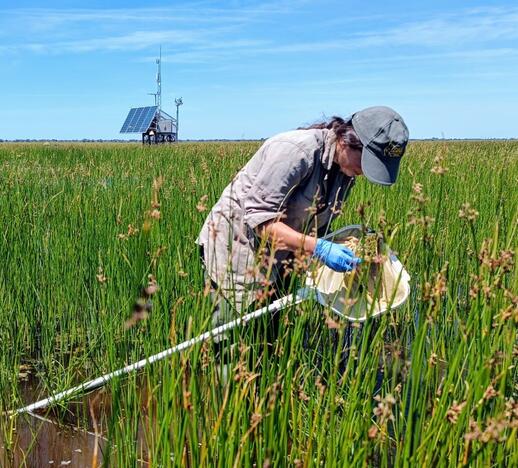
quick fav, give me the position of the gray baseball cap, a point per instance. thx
(384, 136)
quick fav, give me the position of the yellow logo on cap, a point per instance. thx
(394, 150)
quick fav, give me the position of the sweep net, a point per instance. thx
(378, 284)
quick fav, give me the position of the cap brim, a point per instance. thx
(380, 170)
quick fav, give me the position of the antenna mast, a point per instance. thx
(158, 97)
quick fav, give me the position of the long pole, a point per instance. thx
(159, 82)
(178, 102)
(279, 304)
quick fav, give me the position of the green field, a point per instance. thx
(432, 383)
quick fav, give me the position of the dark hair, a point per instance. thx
(343, 130)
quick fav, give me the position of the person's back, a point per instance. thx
(284, 199)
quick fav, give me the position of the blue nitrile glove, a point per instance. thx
(336, 256)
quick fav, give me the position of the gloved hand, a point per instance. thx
(336, 256)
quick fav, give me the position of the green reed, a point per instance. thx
(434, 382)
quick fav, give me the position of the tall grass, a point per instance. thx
(435, 382)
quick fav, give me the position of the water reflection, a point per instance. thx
(39, 442)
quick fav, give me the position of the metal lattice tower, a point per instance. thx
(159, 81)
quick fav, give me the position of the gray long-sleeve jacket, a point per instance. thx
(291, 178)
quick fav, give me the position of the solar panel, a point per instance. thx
(139, 119)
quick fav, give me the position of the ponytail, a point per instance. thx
(342, 129)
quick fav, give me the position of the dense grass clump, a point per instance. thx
(85, 227)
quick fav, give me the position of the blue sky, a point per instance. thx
(248, 69)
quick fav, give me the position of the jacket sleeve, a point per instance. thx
(284, 167)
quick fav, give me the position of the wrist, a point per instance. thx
(320, 251)
(310, 244)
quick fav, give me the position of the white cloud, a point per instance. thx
(191, 14)
(461, 28)
(206, 33)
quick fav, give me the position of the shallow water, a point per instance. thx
(38, 440)
(38, 443)
(73, 435)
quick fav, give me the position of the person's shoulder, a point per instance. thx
(305, 140)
